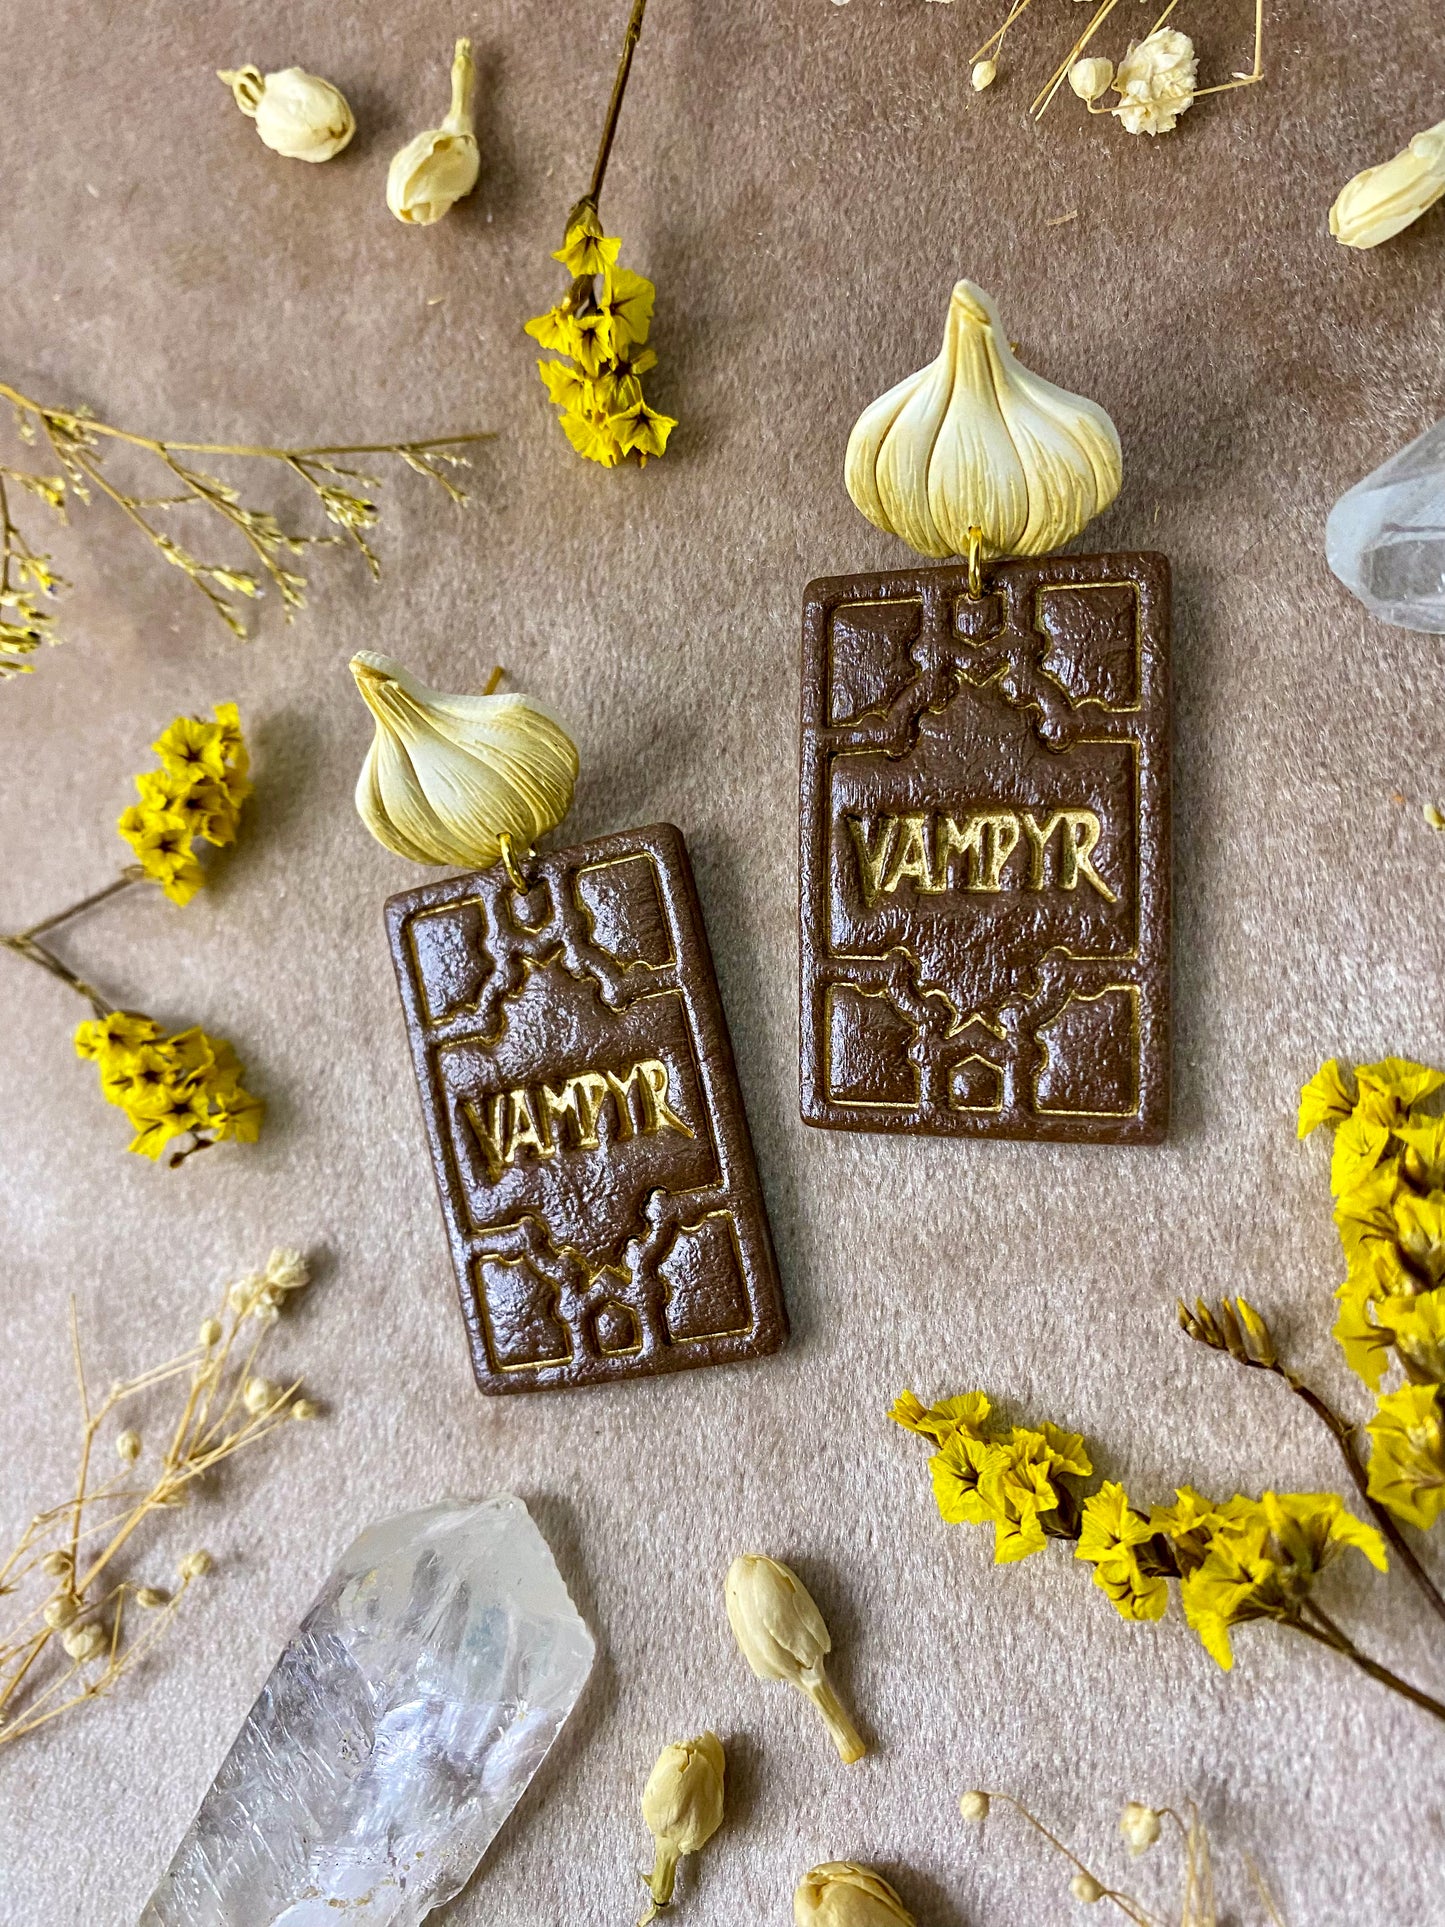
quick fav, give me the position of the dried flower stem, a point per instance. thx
(76, 440)
(1131, 1908)
(1248, 1342)
(74, 1544)
(1326, 1633)
(25, 942)
(614, 105)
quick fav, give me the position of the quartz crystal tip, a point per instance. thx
(1385, 538)
(395, 1734)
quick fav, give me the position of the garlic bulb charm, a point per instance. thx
(296, 114)
(447, 777)
(782, 1635)
(433, 171)
(974, 441)
(1378, 203)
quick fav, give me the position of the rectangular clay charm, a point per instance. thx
(586, 1127)
(985, 851)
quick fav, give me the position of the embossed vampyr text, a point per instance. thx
(1053, 853)
(544, 1120)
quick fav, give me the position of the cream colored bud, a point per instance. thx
(985, 73)
(782, 1636)
(151, 1597)
(1084, 1887)
(1156, 82)
(259, 1394)
(195, 1565)
(433, 171)
(127, 1445)
(85, 1642)
(1090, 78)
(61, 1611)
(210, 1332)
(682, 1804)
(57, 1565)
(1382, 200)
(242, 1295)
(296, 114)
(1140, 1827)
(974, 1805)
(447, 777)
(305, 1408)
(287, 1270)
(843, 1894)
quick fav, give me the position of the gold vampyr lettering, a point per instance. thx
(921, 847)
(510, 1126)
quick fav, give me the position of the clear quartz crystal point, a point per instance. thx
(1385, 539)
(396, 1733)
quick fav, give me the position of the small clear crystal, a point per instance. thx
(1385, 539)
(395, 1733)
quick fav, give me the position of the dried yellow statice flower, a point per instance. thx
(1383, 200)
(447, 777)
(682, 1804)
(975, 449)
(840, 1893)
(436, 169)
(782, 1636)
(1156, 82)
(296, 114)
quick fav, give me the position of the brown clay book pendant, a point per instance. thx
(582, 1109)
(984, 858)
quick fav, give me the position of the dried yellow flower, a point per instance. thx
(127, 1445)
(842, 1894)
(433, 171)
(447, 777)
(1090, 78)
(1382, 200)
(296, 114)
(782, 1636)
(682, 1804)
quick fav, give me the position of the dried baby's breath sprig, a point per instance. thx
(185, 1085)
(1156, 78)
(78, 443)
(1140, 1826)
(67, 1582)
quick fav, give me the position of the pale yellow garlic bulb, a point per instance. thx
(447, 776)
(433, 171)
(974, 441)
(1382, 200)
(841, 1893)
(296, 114)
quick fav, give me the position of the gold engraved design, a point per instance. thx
(955, 1102)
(616, 1308)
(445, 912)
(1131, 991)
(484, 1311)
(617, 863)
(893, 668)
(732, 1331)
(861, 1103)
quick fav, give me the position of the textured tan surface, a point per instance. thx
(804, 183)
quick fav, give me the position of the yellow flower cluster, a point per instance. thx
(170, 1087)
(197, 792)
(602, 330)
(1388, 1179)
(1245, 1559)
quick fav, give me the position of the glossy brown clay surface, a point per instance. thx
(586, 1128)
(985, 851)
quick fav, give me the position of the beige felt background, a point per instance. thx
(804, 182)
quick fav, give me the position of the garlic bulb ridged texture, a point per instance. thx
(447, 776)
(975, 441)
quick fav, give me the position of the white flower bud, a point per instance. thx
(1382, 200)
(842, 1894)
(195, 1565)
(85, 1642)
(1140, 1827)
(974, 1805)
(985, 73)
(433, 171)
(782, 1636)
(61, 1611)
(210, 1332)
(1084, 1887)
(296, 114)
(1090, 78)
(682, 1804)
(258, 1395)
(286, 1270)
